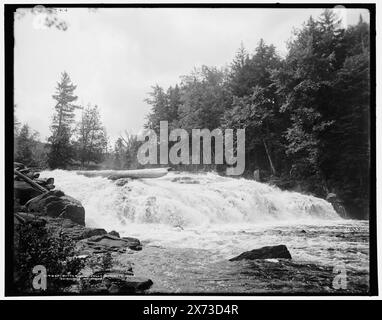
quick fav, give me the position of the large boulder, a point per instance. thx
(270, 252)
(57, 204)
(23, 192)
(108, 242)
(337, 204)
(65, 227)
(114, 283)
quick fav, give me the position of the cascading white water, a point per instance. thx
(220, 216)
(188, 200)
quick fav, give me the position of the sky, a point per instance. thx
(116, 55)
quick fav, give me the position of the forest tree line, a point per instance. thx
(306, 115)
(71, 143)
(81, 144)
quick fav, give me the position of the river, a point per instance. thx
(191, 224)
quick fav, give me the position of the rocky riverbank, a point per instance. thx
(250, 259)
(50, 226)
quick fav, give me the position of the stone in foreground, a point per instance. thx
(270, 252)
(127, 284)
(57, 204)
(107, 242)
(24, 192)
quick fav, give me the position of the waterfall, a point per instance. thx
(184, 217)
(188, 200)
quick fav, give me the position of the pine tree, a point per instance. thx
(61, 152)
(240, 77)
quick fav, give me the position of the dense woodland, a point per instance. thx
(306, 115)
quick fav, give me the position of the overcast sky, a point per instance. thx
(114, 56)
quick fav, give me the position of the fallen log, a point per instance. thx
(132, 174)
(30, 181)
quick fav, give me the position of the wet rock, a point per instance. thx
(107, 242)
(134, 243)
(23, 192)
(114, 233)
(117, 284)
(90, 232)
(121, 182)
(71, 229)
(289, 276)
(27, 218)
(73, 210)
(57, 204)
(186, 180)
(337, 204)
(47, 183)
(269, 252)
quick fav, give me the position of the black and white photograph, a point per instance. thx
(170, 150)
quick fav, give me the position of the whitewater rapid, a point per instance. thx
(160, 208)
(215, 218)
(188, 200)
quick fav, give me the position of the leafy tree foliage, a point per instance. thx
(125, 152)
(28, 149)
(91, 144)
(306, 115)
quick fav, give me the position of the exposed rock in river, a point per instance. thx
(107, 242)
(121, 182)
(113, 283)
(337, 204)
(270, 252)
(57, 204)
(114, 233)
(186, 180)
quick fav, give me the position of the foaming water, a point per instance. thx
(214, 218)
(188, 200)
(191, 210)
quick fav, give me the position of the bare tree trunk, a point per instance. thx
(269, 158)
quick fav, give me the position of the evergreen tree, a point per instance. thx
(62, 152)
(241, 75)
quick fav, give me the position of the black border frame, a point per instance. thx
(9, 10)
